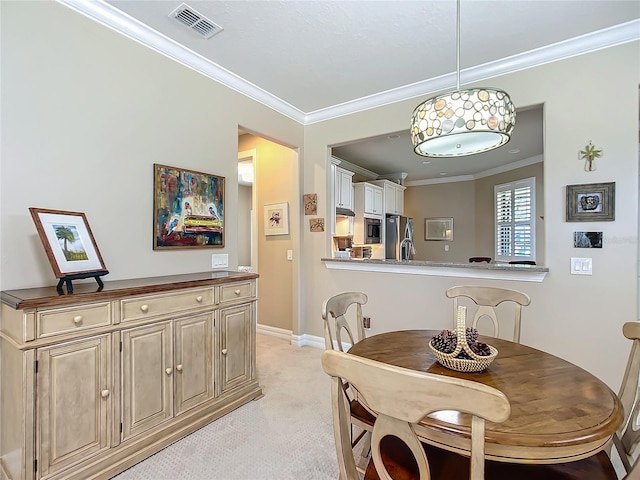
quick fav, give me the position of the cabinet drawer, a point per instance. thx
(66, 320)
(154, 305)
(236, 291)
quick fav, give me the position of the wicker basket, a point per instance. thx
(477, 363)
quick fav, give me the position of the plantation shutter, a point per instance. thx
(515, 220)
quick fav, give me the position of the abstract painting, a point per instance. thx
(188, 209)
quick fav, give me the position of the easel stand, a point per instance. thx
(78, 276)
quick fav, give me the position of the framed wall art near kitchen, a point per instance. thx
(438, 228)
(188, 209)
(69, 244)
(276, 219)
(592, 202)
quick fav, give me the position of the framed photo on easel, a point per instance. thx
(69, 244)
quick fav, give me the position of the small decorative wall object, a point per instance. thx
(438, 228)
(316, 224)
(276, 219)
(593, 202)
(589, 155)
(70, 246)
(311, 204)
(587, 239)
(188, 209)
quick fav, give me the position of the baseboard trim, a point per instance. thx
(280, 333)
(295, 340)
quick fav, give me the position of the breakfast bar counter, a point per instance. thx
(495, 271)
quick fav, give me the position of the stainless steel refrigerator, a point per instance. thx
(398, 241)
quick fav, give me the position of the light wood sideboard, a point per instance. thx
(95, 381)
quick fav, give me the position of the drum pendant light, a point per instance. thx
(462, 122)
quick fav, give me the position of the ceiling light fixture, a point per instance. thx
(462, 122)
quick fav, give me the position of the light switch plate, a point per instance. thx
(289, 254)
(581, 266)
(220, 260)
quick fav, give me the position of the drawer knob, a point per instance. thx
(144, 308)
(179, 367)
(169, 370)
(199, 299)
(237, 292)
(77, 319)
(104, 393)
(224, 351)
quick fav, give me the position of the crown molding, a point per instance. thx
(486, 173)
(115, 19)
(356, 169)
(608, 37)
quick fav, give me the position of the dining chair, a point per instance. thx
(334, 314)
(401, 398)
(479, 259)
(487, 299)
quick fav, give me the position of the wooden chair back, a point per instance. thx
(401, 397)
(334, 310)
(487, 299)
(628, 436)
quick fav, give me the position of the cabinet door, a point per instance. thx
(377, 201)
(390, 199)
(372, 200)
(193, 360)
(147, 376)
(74, 402)
(399, 201)
(236, 339)
(344, 189)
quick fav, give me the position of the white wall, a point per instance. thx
(591, 97)
(86, 113)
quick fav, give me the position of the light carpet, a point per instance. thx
(287, 434)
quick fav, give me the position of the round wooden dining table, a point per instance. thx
(559, 412)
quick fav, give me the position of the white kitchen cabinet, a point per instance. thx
(368, 199)
(393, 197)
(94, 382)
(343, 189)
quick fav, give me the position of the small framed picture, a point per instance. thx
(310, 203)
(68, 242)
(587, 239)
(276, 219)
(316, 224)
(438, 228)
(593, 202)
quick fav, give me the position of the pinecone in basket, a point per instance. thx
(480, 348)
(472, 335)
(445, 341)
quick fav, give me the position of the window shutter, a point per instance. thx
(515, 220)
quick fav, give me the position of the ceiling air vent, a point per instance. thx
(195, 21)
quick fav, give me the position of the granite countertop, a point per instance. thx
(425, 263)
(494, 271)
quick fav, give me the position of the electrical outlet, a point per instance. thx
(366, 322)
(220, 260)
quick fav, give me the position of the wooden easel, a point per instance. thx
(77, 276)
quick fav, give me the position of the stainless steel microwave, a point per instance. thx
(372, 230)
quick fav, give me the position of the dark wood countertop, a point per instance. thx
(88, 291)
